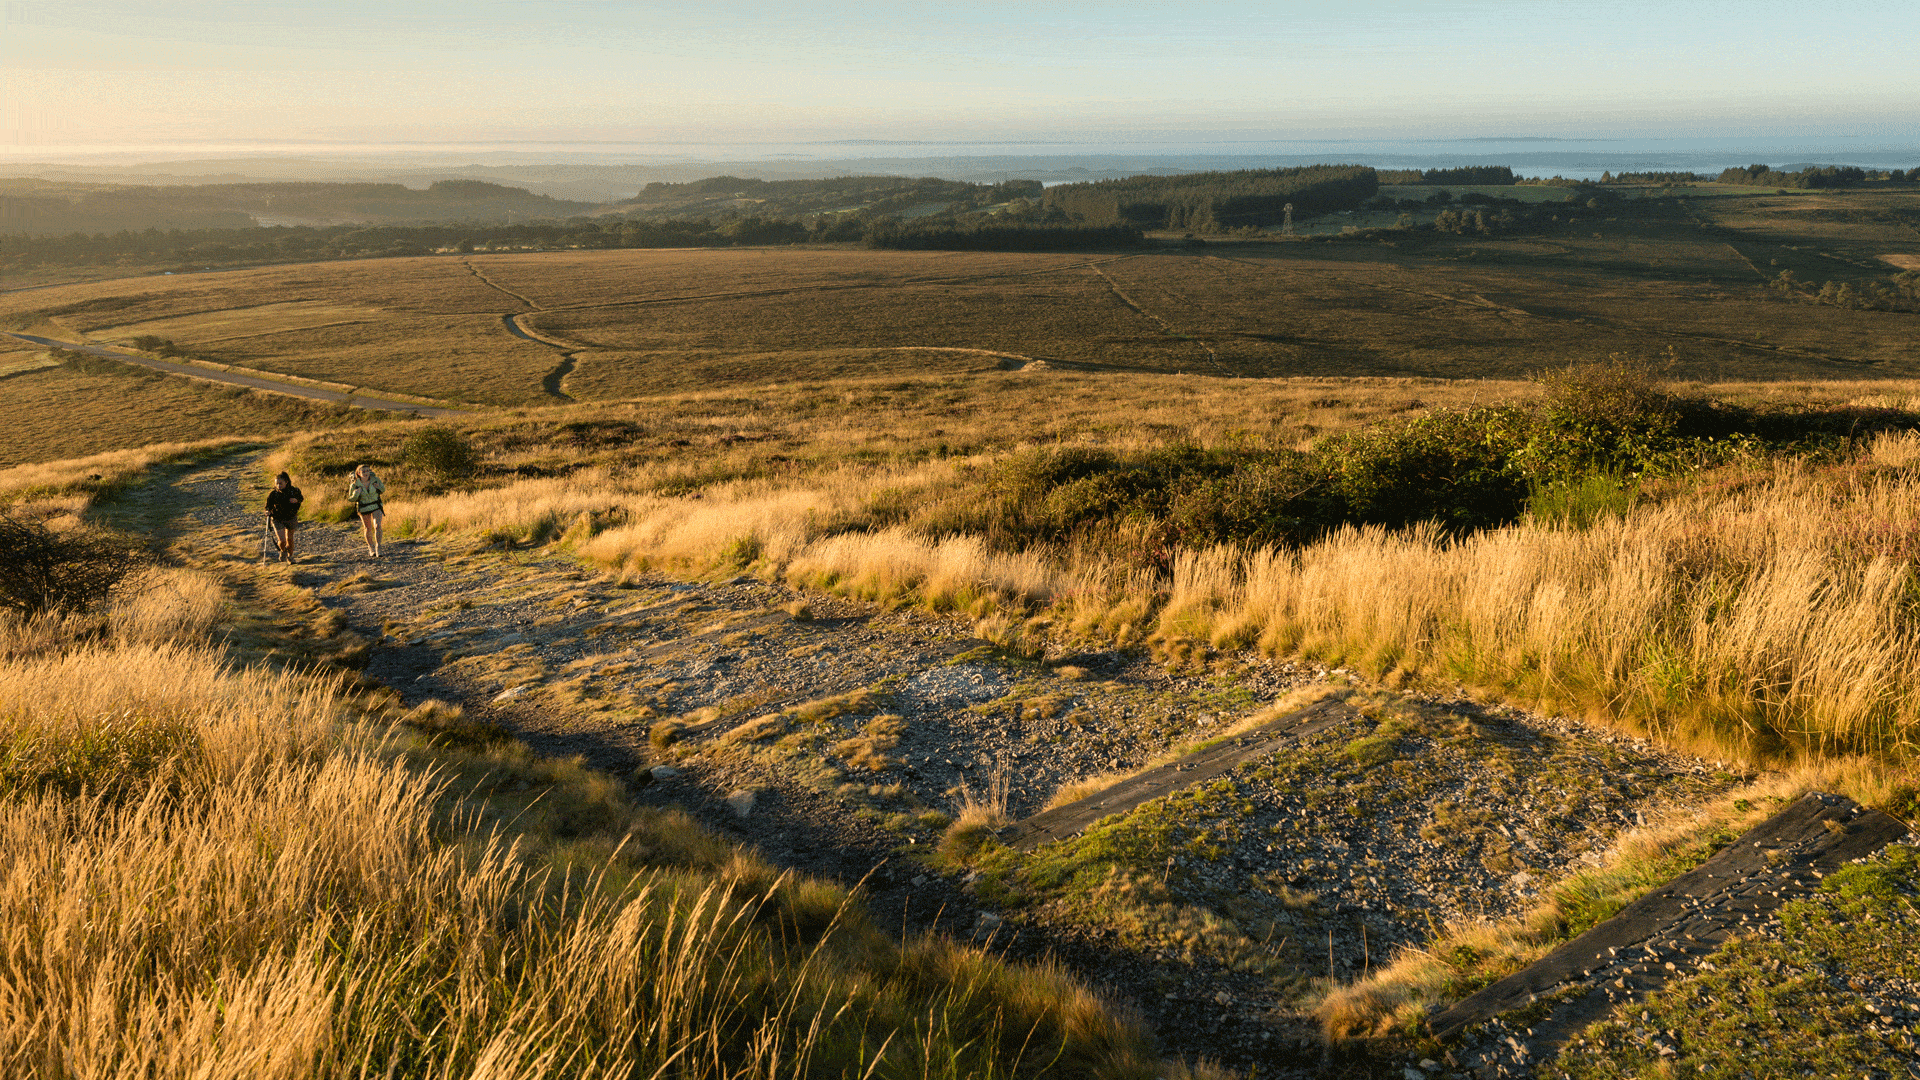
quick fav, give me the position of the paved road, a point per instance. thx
(251, 382)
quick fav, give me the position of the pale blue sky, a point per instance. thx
(100, 72)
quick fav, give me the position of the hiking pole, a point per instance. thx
(266, 542)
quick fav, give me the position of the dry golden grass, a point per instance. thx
(653, 321)
(18, 356)
(65, 414)
(981, 813)
(421, 325)
(80, 478)
(868, 749)
(1757, 618)
(235, 873)
(1759, 622)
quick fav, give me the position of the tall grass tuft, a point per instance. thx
(231, 873)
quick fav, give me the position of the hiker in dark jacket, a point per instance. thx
(283, 514)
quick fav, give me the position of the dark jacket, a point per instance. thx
(284, 506)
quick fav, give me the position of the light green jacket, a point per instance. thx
(366, 493)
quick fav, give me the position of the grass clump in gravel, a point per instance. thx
(1835, 992)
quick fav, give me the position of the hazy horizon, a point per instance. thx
(216, 77)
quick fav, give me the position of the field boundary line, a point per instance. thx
(841, 287)
(554, 382)
(496, 286)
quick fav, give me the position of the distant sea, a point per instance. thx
(1572, 158)
(1053, 161)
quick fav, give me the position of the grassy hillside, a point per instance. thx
(1735, 589)
(245, 861)
(1208, 474)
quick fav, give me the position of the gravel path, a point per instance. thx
(838, 737)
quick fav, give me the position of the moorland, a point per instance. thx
(758, 588)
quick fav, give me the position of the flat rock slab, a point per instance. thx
(1073, 818)
(1662, 935)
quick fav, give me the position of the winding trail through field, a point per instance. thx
(249, 380)
(1165, 326)
(553, 383)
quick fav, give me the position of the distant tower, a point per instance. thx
(1286, 229)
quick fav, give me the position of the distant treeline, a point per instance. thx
(839, 194)
(200, 248)
(1813, 176)
(1466, 174)
(1215, 200)
(992, 236)
(1652, 178)
(44, 208)
(195, 249)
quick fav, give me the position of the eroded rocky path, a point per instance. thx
(840, 738)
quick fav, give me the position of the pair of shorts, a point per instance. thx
(288, 525)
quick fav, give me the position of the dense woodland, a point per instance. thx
(1820, 176)
(1477, 175)
(1215, 200)
(871, 195)
(877, 211)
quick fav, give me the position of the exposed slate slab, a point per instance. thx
(1073, 818)
(1664, 934)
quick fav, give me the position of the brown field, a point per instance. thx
(1686, 284)
(60, 413)
(18, 357)
(424, 326)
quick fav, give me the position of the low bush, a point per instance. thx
(1578, 454)
(43, 570)
(440, 454)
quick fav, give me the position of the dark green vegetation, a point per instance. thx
(1205, 201)
(1467, 174)
(866, 195)
(438, 454)
(1832, 994)
(1585, 446)
(61, 224)
(1811, 177)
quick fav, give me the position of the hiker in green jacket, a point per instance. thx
(364, 492)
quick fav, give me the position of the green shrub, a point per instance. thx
(1457, 468)
(439, 453)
